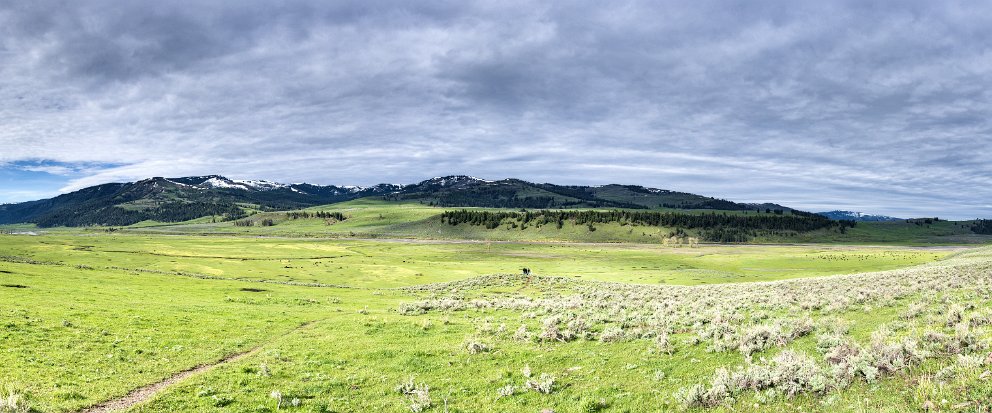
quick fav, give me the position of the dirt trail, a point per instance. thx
(145, 393)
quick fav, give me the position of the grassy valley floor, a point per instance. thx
(87, 317)
(377, 219)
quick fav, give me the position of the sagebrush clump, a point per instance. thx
(940, 307)
(14, 402)
(418, 395)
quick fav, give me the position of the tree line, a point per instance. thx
(117, 216)
(531, 202)
(319, 214)
(922, 221)
(268, 222)
(719, 227)
(707, 204)
(982, 226)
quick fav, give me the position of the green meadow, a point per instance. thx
(398, 263)
(361, 315)
(372, 218)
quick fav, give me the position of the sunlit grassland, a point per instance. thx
(100, 314)
(72, 336)
(372, 218)
(369, 263)
(899, 232)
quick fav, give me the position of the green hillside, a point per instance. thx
(376, 218)
(182, 199)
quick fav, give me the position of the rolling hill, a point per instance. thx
(858, 216)
(461, 190)
(181, 199)
(175, 199)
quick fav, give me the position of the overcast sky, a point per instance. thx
(883, 107)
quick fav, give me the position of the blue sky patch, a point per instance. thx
(30, 180)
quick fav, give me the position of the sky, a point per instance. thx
(882, 107)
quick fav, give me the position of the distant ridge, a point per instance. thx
(857, 216)
(181, 199)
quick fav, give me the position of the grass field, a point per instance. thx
(338, 325)
(900, 232)
(385, 264)
(370, 218)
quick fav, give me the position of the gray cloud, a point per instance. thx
(881, 106)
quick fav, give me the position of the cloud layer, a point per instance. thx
(883, 107)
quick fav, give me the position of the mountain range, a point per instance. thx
(180, 199)
(857, 216)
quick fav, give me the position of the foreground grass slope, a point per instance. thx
(874, 342)
(87, 317)
(74, 336)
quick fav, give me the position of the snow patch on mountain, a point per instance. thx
(857, 216)
(445, 181)
(260, 185)
(247, 184)
(181, 184)
(216, 182)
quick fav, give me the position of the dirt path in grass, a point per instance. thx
(147, 392)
